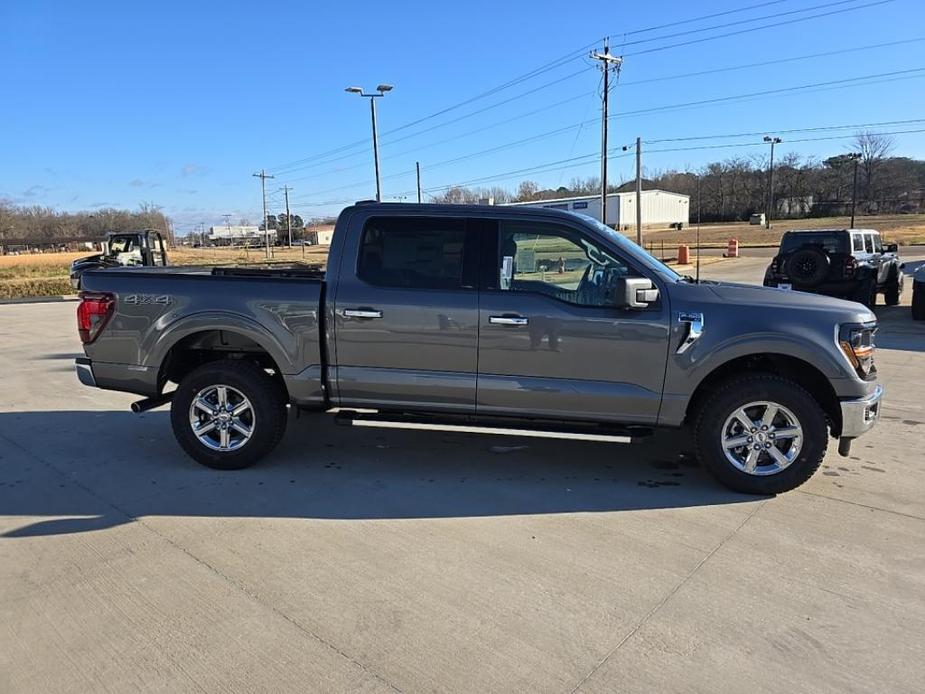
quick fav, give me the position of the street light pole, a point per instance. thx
(855, 157)
(772, 141)
(380, 92)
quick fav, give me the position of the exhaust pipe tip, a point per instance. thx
(151, 403)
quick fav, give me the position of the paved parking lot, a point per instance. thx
(368, 561)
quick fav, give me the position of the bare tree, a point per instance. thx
(874, 148)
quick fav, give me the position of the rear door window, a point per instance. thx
(414, 253)
(857, 243)
(869, 243)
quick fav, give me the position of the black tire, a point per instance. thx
(807, 267)
(268, 405)
(735, 393)
(867, 292)
(918, 301)
(894, 288)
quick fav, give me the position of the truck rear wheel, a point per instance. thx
(761, 434)
(228, 414)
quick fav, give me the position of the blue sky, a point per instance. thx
(178, 103)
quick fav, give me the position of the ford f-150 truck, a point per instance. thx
(503, 320)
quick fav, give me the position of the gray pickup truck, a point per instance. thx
(503, 320)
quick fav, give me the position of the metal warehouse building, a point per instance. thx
(659, 208)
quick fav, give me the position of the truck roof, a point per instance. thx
(423, 208)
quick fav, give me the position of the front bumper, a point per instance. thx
(858, 416)
(85, 371)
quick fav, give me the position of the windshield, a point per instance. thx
(631, 248)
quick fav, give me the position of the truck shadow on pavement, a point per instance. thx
(94, 470)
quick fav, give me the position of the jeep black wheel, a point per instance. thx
(918, 301)
(894, 288)
(228, 414)
(807, 266)
(761, 434)
(867, 292)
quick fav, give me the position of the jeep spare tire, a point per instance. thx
(807, 266)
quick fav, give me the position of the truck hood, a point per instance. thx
(769, 297)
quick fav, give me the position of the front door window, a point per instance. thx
(557, 263)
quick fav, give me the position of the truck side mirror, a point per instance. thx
(635, 292)
(891, 248)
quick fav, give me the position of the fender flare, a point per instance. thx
(167, 338)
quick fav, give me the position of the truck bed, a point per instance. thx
(275, 308)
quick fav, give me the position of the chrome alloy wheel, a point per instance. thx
(762, 438)
(222, 418)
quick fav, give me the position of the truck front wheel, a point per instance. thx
(228, 414)
(761, 434)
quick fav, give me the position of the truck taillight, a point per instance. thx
(851, 266)
(775, 266)
(93, 312)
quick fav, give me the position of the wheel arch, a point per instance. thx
(191, 348)
(801, 372)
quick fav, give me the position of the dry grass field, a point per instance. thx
(905, 229)
(46, 274)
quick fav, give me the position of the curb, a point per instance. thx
(40, 299)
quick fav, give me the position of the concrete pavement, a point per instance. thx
(403, 561)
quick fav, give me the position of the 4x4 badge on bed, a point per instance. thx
(137, 299)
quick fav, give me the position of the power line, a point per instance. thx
(790, 130)
(587, 159)
(766, 63)
(842, 83)
(759, 28)
(576, 54)
(740, 21)
(570, 100)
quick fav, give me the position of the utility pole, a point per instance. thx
(855, 157)
(772, 141)
(608, 63)
(417, 166)
(639, 192)
(286, 190)
(698, 228)
(228, 227)
(263, 176)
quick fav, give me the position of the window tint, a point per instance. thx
(869, 243)
(831, 242)
(558, 263)
(413, 253)
(857, 242)
(878, 244)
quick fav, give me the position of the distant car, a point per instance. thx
(918, 294)
(850, 264)
(123, 249)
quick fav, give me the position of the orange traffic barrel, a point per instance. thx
(732, 250)
(684, 254)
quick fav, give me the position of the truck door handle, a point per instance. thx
(508, 320)
(362, 313)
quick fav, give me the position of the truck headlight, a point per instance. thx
(857, 342)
